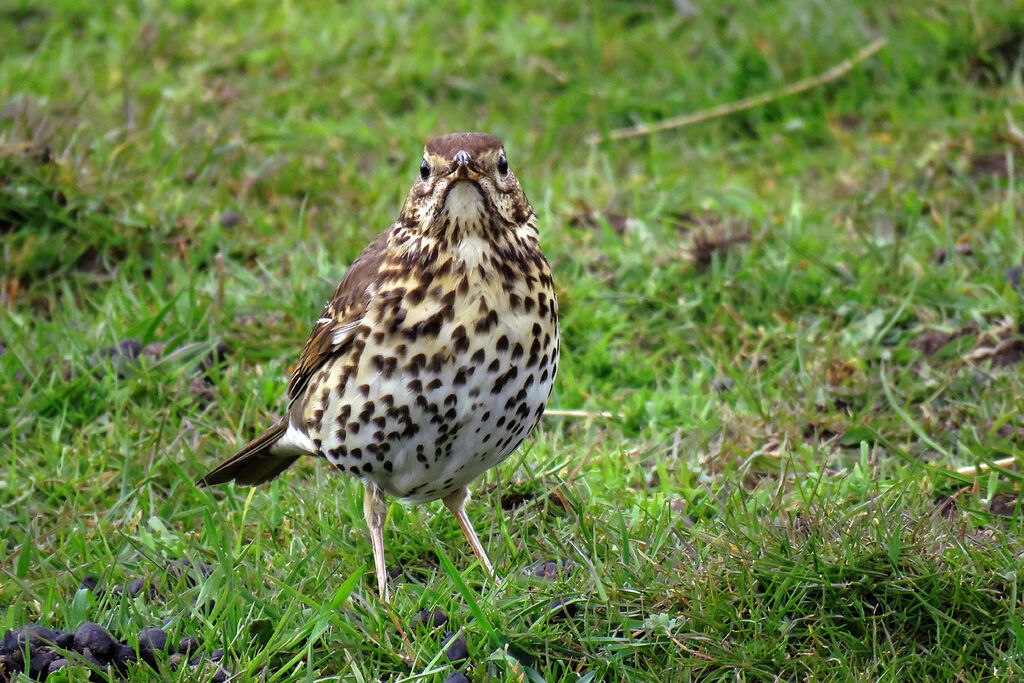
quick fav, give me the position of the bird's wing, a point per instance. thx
(341, 316)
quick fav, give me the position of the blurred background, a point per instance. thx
(771, 319)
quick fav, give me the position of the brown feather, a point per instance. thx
(475, 144)
(346, 307)
(254, 464)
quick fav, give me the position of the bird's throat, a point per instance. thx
(464, 203)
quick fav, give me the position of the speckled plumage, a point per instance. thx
(436, 355)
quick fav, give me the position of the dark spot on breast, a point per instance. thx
(397, 319)
(483, 325)
(342, 382)
(517, 351)
(494, 366)
(364, 389)
(460, 377)
(356, 453)
(534, 353)
(353, 427)
(367, 467)
(502, 344)
(430, 327)
(528, 304)
(436, 361)
(434, 384)
(478, 356)
(503, 379)
(415, 295)
(353, 469)
(450, 400)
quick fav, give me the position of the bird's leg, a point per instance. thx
(456, 502)
(376, 512)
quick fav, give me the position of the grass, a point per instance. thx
(779, 498)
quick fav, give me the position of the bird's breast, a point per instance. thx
(446, 376)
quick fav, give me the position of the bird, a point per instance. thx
(435, 357)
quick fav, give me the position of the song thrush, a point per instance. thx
(436, 355)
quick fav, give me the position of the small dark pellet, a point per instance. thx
(93, 637)
(428, 618)
(455, 648)
(189, 645)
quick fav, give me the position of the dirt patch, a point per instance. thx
(993, 164)
(1002, 345)
(590, 218)
(1005, 505)
(930, 342)
(994, 62)
(712, 234)
(962, 248)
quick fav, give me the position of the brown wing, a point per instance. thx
(342, 314)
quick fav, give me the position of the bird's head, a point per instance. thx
(465, 185)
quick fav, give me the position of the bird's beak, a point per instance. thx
(463, 166)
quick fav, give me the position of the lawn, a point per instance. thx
(795, 333)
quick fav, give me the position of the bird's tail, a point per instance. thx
(254, 464)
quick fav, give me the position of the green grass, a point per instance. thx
(778, 500)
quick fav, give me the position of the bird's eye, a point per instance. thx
(424, 170)
(502, 165)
